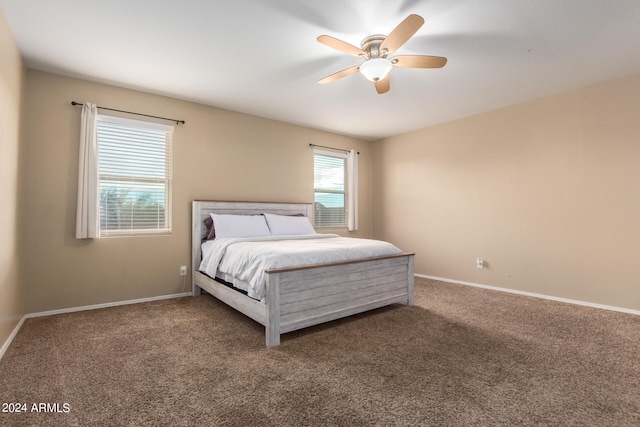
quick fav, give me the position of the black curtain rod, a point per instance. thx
(178, 122)
(331, 148)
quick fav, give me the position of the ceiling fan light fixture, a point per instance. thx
(375, 50)
(376, 69)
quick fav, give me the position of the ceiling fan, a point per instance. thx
(375, 50)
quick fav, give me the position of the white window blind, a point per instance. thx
(329, 177)
(135, 177)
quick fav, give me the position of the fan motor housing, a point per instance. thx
(371, 45)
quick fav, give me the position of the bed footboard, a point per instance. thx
(301, 297)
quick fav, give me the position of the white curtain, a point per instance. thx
(352, 170)
(88, 213)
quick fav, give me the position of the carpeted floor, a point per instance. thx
(462, 356)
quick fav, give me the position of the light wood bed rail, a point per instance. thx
(305, 296)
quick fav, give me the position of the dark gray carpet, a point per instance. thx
(462, 356)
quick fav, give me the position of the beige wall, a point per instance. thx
(547, 192)
(218, 155)
(12, 301)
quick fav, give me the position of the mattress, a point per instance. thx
(243, 261)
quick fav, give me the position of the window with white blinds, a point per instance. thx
(135, 177)
(330, 183)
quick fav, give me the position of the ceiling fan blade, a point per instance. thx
(402, 33)
(340, 45)
(419, 61)
(382, 86)
(340, 74)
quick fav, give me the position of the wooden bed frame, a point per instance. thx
(305, 296)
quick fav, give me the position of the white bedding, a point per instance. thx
(247, 258)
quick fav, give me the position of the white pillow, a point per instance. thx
(239, 225)
(284, 224)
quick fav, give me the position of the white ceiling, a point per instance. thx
(261, 56)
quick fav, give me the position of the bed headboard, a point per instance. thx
(202, 208)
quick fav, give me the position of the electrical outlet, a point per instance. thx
(183, 270)
(480, 263)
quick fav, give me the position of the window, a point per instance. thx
(330, 183)
(135, 177)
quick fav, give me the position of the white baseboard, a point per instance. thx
(531, 294)
(105, 305)
(6, 344)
